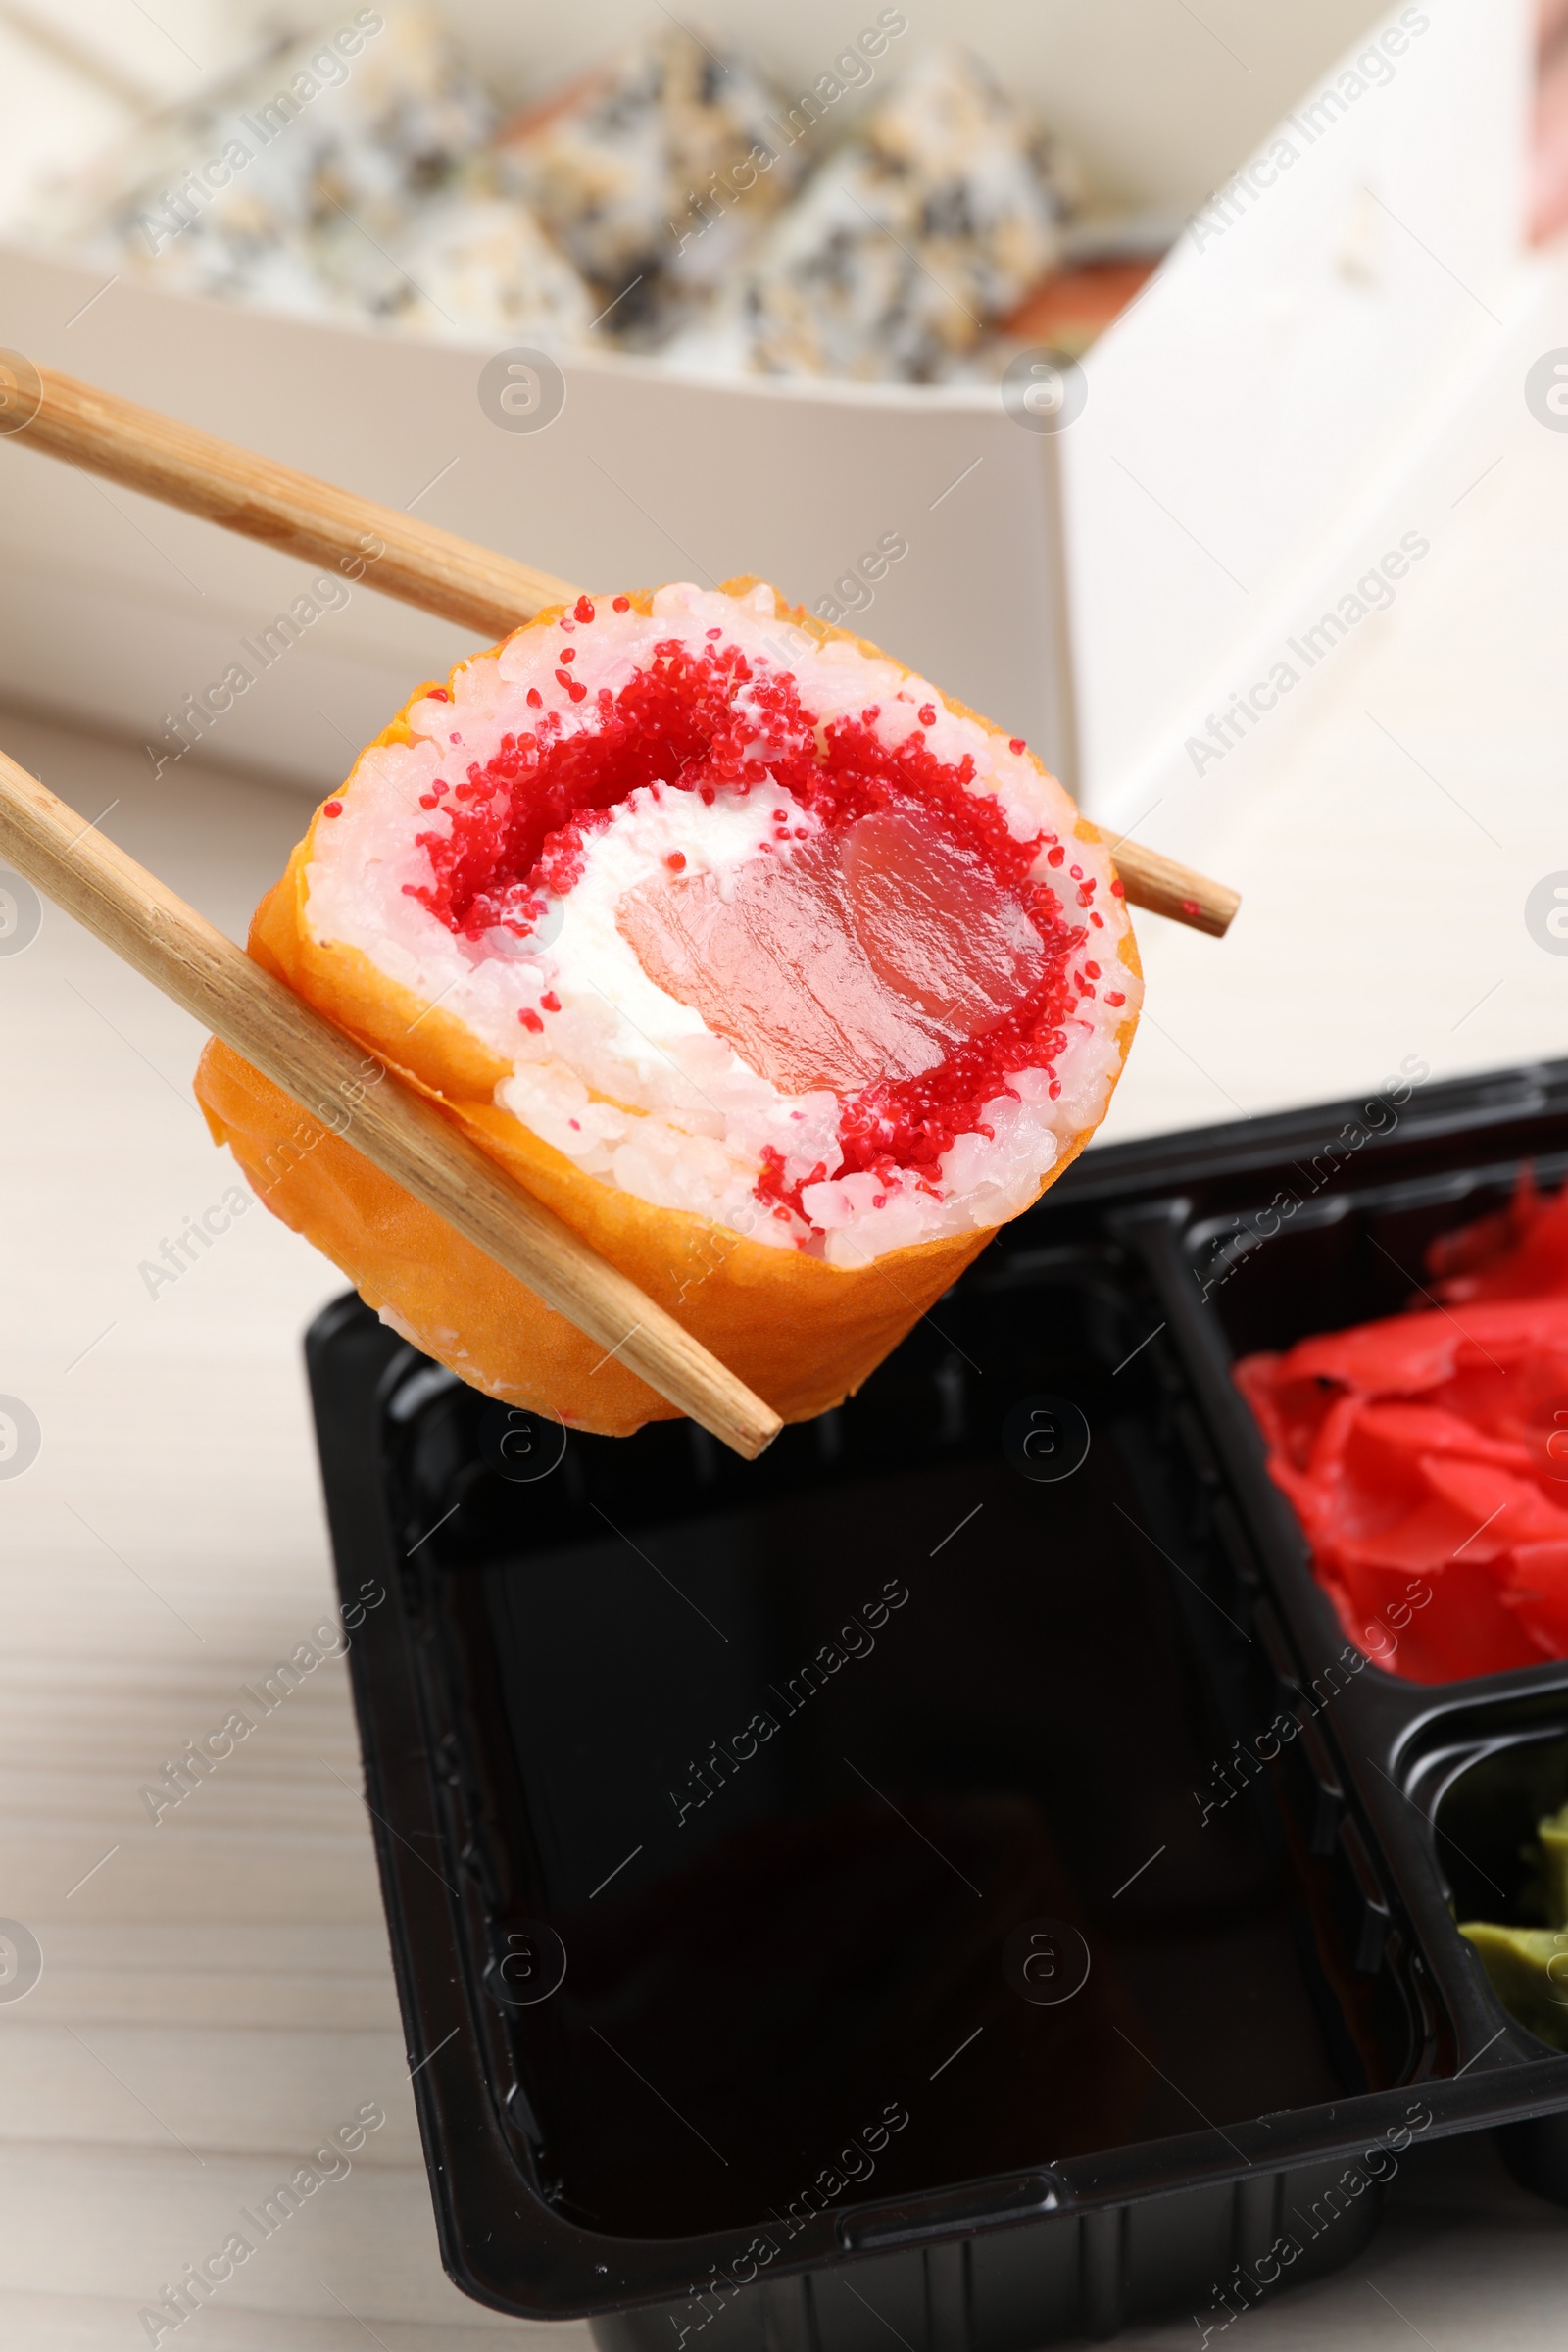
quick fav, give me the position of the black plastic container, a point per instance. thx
(931, 1878)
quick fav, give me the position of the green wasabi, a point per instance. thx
(1527, 1967)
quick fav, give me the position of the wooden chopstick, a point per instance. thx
(417, 564)
(323, 1071)
(1162, 887)
(293, 512)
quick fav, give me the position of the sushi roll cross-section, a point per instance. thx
(779, 976)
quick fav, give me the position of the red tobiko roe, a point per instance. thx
(1427, 1454)
(516, 828)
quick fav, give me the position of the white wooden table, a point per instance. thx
(215, 1992)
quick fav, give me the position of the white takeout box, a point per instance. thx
(1098, 588)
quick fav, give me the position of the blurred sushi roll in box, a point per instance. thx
(344, 174)
(673, 200)
(477, 264)
(908, 243)
(654, 174)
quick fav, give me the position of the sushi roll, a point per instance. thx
(780, 976)
(906, 246)
(345, 177)
(654, 172)
(480, 264)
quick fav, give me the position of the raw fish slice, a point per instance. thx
(775, 968)
(844, 962)
(934, 925)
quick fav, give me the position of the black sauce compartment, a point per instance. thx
(892, 1888)
(807, 1909)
